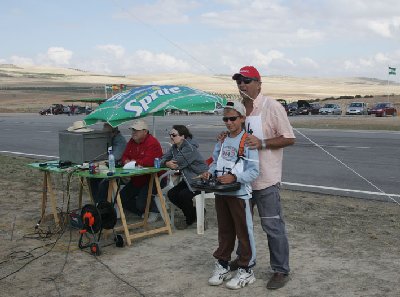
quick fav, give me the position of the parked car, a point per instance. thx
(292, 108)
(383, 109)
(82, 110)
(67, 110)
(53, 109)
(357, 108)
(303, 107)
(330, 108)
(315, 107)
(219, 109)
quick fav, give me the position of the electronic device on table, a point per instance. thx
(81, 147)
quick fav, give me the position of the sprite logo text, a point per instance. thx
(142, 105)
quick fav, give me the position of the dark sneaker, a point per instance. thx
(181, 225)
(277, 281)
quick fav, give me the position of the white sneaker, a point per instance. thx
(153, 217)
(219, 275)
(241, 279)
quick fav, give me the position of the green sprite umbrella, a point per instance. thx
(155, 100)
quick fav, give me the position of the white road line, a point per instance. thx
(37, 131)
(341, 190)
(25, 154)
(346, 146)
(335, 146)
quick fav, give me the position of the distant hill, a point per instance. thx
(276, 86)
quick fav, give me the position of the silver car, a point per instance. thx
(357, 108)
(330, 108)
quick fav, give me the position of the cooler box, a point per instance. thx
(80, 147)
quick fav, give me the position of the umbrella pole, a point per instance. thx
(154, 126)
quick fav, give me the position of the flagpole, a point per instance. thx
(388, 83)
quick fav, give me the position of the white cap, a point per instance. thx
(236, 105)
(139, 125)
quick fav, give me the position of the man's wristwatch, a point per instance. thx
(263, 145)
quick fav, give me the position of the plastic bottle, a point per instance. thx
(111, 162)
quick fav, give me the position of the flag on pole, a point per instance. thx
(392, 71)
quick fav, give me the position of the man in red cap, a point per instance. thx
(274, 133)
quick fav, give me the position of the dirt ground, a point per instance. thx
(339, 247)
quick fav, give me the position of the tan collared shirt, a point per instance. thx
(275, 123)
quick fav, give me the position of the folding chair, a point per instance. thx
(172, 180)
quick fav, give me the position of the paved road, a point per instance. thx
(351, 163)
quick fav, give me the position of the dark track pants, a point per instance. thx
(235, 220)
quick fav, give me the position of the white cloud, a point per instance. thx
(350, 65)
(117, 51)
(160, 12)
(17, 60)
(269, 57)
(250, 15)
(377, 60)
(385, 27)
(381, 58)
(140, 61)
(370, 65)
(380, 28)
(309, 63)
(309, 34)
(365, 62)
(148, 62)
(59, 55)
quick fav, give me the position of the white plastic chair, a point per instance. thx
(200, 202)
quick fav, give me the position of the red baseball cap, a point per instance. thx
(247, 71)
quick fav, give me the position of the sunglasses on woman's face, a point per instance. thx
(232, 119)
(172, 135)
(246, 80)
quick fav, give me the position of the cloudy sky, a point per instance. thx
(321, 38)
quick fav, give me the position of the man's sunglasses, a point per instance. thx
(246, 80)
(232, 119)
(172, 135)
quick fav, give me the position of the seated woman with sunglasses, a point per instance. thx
(185, 157)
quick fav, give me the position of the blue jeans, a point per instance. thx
(269, 208)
